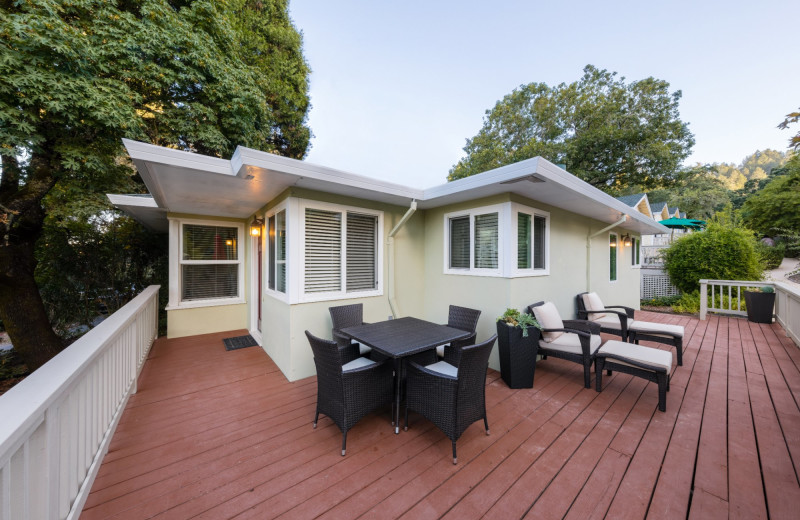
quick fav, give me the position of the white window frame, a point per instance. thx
(616, 267)
(634, 242)
(502, 211)
(297, 291)
(176, 261)
(282, 296)
(515, 271)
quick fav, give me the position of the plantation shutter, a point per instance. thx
(539, 237)
(323, 269)
(613, 257)
(361, 252)
(523, 241)
(486, 241)
(459, 242)
(209, 264)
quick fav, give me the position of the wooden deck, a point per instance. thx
(215, 434)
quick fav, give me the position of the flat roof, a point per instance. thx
(185, 182)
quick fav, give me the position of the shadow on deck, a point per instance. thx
(215, 434)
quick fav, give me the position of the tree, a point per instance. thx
(756, 166)
(610, 133)
(77, 76)
(792, 117)
(700, 194)
(777, 205)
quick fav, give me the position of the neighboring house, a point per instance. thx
(266, 243)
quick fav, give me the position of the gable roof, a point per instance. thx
(657, 206)
(632, 200)
(185, 182)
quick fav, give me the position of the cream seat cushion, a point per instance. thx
(656, 328)
(571, 343)
(548, 317)
(592, 303)
(357, 363)
(620, 351)
(444, 368)
(610, 321)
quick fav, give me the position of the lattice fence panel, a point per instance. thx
(657, 285)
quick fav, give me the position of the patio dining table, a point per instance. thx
(399, 339)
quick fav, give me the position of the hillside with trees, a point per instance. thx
(754, 167)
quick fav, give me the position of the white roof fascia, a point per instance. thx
(246, 161)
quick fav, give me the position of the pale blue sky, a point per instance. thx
(397, 87)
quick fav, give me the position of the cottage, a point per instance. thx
(266, 243)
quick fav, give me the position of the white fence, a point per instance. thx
(56, 425)
(787, 309)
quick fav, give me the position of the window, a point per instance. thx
(612, 257)
(341, 252)
(636, 252)
(276, 227)
(473, 242)
(531, 241)
(209, 270)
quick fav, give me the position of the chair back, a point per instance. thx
(529, 310)
(581, 305)
(472, 369)
(463, 318)
(327, 361)
(347, 315)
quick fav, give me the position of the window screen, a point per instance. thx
(323, 245)
(612, 249)
(523, 241)
(459, 242)
(486, 237)
(361, 252)
(539, 242)
(209, 262)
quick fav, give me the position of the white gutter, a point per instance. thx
(589, 249)
(390, 244)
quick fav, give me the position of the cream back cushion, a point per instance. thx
(548, 317)
(592, 303)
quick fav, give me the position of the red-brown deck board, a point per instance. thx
(215, 434)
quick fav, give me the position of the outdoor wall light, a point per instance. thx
(255, 227)
(626, 240)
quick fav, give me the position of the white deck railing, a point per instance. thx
(725, 297)
(56, 425)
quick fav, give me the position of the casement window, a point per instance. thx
(636, 252)
(276, 252)
(473, 242)
(612, 256)
(209, 269)
(509, 240)
(341, 254)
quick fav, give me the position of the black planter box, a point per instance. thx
(517, 355)
(760, 306)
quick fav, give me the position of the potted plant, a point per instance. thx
(518, 345)
(760, 304)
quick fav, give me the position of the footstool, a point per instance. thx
(645, 362)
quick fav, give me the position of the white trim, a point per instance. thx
(616, 265)
(278, 295)
(502, 211)
(302, 296)
(515, 271)
(639, 241)
(176, 260)
(253, 289)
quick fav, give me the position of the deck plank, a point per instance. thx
(215, 434)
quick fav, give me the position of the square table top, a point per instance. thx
(403, 336)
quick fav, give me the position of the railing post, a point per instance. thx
(703, 299)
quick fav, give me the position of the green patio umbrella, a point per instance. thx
(685, 223)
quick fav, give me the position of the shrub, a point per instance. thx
(724, 251)
(662, 301)
(771, 256)
(688, 303)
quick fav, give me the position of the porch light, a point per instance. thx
(626, 240)
(255, 227)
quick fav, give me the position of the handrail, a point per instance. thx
(57, 424)
(721, 284)
(787, 309)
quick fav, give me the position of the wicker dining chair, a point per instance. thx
(346, 392)
(574, 340)
(461, 318)
(451, 398)
(348, 316)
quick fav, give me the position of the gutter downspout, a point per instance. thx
(589, 249)
(390, 244)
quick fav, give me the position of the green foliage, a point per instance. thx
(723, 251)
(609, 133)
(792, 117)
(771, 256)
(754, 167)
(768, 289)
(778, 204)
(790, 240)
(514, 318)
(10, 366)
(662, 301)
(695, 191)
(688, 303)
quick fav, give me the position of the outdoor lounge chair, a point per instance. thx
(573, 340)
(451, 398)
(347, 391)
(461, 318)
(623, 324)
(348, 316)
(648, 363)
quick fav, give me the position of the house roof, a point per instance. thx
(657, 206)
(632, 200)
(185, 182)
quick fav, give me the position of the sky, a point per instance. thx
(398, 87)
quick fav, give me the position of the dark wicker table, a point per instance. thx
(399, 339)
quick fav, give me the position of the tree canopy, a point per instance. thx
(77, 76)
(696, 191)
(777, 205)
(611, 133)
(754, 167)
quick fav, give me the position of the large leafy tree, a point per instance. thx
(696, 191)
(611, 133)
(776, 206)
(77, 76)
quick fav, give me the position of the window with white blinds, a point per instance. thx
(486, 241)
(341, 251)
(459, 242)
(210, 262)
(276, 238)
(531, 240)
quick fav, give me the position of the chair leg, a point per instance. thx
(587, 375)
(679, 347)
(455, 458)
(662, 391)
(406, 425)
(485, 423)
(598, 370)
(316, 418)
(344, 442)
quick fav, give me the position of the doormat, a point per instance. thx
(239, 342)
